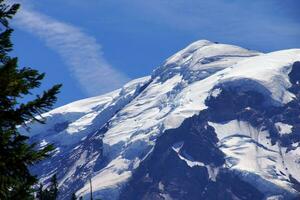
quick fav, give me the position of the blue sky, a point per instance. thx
(95, 46)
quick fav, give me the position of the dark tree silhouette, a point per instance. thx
(50, 193)
(53, 187)
(16, 154)
(73, 197)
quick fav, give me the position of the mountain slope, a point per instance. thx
(213, 117)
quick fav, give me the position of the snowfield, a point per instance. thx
(129, 121)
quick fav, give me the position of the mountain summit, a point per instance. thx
(215, 121)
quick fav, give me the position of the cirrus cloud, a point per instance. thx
(81, 52)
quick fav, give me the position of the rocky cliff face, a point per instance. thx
(215, 121)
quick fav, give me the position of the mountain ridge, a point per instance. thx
(110, 137)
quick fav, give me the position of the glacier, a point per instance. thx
(213, 116)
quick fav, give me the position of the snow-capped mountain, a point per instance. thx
(215, 121)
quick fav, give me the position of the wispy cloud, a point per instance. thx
(81, 52)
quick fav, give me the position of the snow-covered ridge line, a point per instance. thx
(267, 73)
(68, 124)
(136, 115)
(203, 56)
(165, 104)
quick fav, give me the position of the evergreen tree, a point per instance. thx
(91, 190)
(53, 188)
(73, 197)
(50, 193)
(16, 154)
(40, 193)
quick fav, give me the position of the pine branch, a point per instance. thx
(33, 109)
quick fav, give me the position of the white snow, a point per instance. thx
(177, 90)
(283, 128)
(267, 73)
(84, 116)
(108, 179)
(276, 197)
(292, 162)
(190, 162)
(211, 170)
(250, 152)
(216, 92)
